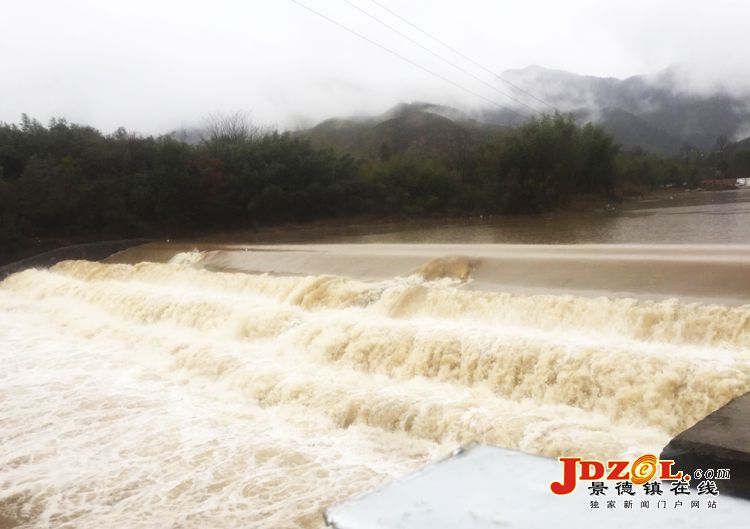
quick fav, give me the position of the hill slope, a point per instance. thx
(416, 129)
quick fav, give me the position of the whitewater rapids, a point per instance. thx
(171, 395)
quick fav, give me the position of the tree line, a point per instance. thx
(72, 182)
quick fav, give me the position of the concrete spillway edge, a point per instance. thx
(719, 441)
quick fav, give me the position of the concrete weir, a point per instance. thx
(701, 273)
(720, 441)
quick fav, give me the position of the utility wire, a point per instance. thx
(450, 63)
(405, 59)
(463, 55)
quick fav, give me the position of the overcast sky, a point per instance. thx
(156, 65)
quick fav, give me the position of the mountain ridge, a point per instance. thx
(659, 102)
(642, 112)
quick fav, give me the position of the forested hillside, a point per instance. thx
(71, 182)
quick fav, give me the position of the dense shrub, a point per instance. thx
(68, 180)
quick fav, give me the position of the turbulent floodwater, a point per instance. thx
(167, 395)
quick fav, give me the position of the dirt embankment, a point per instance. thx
(92, 251)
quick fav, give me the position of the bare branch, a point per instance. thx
(235, 127)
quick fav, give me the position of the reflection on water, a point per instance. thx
(698, 217)
(685, 217)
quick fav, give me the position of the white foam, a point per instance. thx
(162, 395)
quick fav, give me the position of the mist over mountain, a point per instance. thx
(657, 113)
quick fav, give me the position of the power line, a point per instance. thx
(463, 55)
(405, 59)
(428, 50)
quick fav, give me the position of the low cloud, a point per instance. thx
(155, 66)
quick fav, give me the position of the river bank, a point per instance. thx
(587, 219)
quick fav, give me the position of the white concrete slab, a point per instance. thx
(487, 487)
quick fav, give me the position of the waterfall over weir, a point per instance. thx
(239, 386)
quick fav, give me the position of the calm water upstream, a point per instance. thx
(704, 217)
